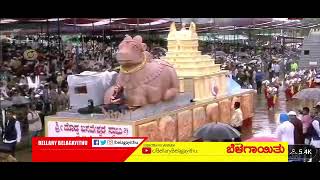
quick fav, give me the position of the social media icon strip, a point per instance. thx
(116, 142)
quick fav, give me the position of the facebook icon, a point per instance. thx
(95, 142)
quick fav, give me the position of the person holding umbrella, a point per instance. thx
(12, 131)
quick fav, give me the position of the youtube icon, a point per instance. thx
(146, 150)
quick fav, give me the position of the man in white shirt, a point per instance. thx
(237, 118)
(12, 133)
(285, 131)
(277, 69)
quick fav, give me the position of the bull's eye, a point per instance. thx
(135, 47)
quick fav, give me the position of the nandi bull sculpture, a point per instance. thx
(145, 80)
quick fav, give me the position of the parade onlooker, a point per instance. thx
(271, 70)
(253, 75)
(12, 131)
(62, 101)
(285, 131)
(3, 90)
(276, 69)
(259, 78)
(54, 97)
(247, 85)
(35, 125)
(46, 97)
(283, 117)
(288, 66)
(313, 132)
(39, 69)
(241, 77)
(237, 117)
(306, 120)
(23, 80)
(294, 66)
(60, 78)
(298, 129)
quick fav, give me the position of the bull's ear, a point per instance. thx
(138, 39)
(144, 46)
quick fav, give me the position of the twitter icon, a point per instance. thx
(103, 142)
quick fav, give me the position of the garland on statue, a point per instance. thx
(134, 69)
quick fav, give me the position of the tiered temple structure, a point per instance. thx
(197, 73)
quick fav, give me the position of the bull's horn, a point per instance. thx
(127, 37)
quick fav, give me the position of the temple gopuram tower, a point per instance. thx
(197, 73)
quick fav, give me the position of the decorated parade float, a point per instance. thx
(168, 98)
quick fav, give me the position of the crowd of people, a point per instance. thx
(41, 83)
(301, 128)
(267, 74)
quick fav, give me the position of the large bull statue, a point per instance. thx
(145, 80)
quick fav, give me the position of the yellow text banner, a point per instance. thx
(211, 152)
